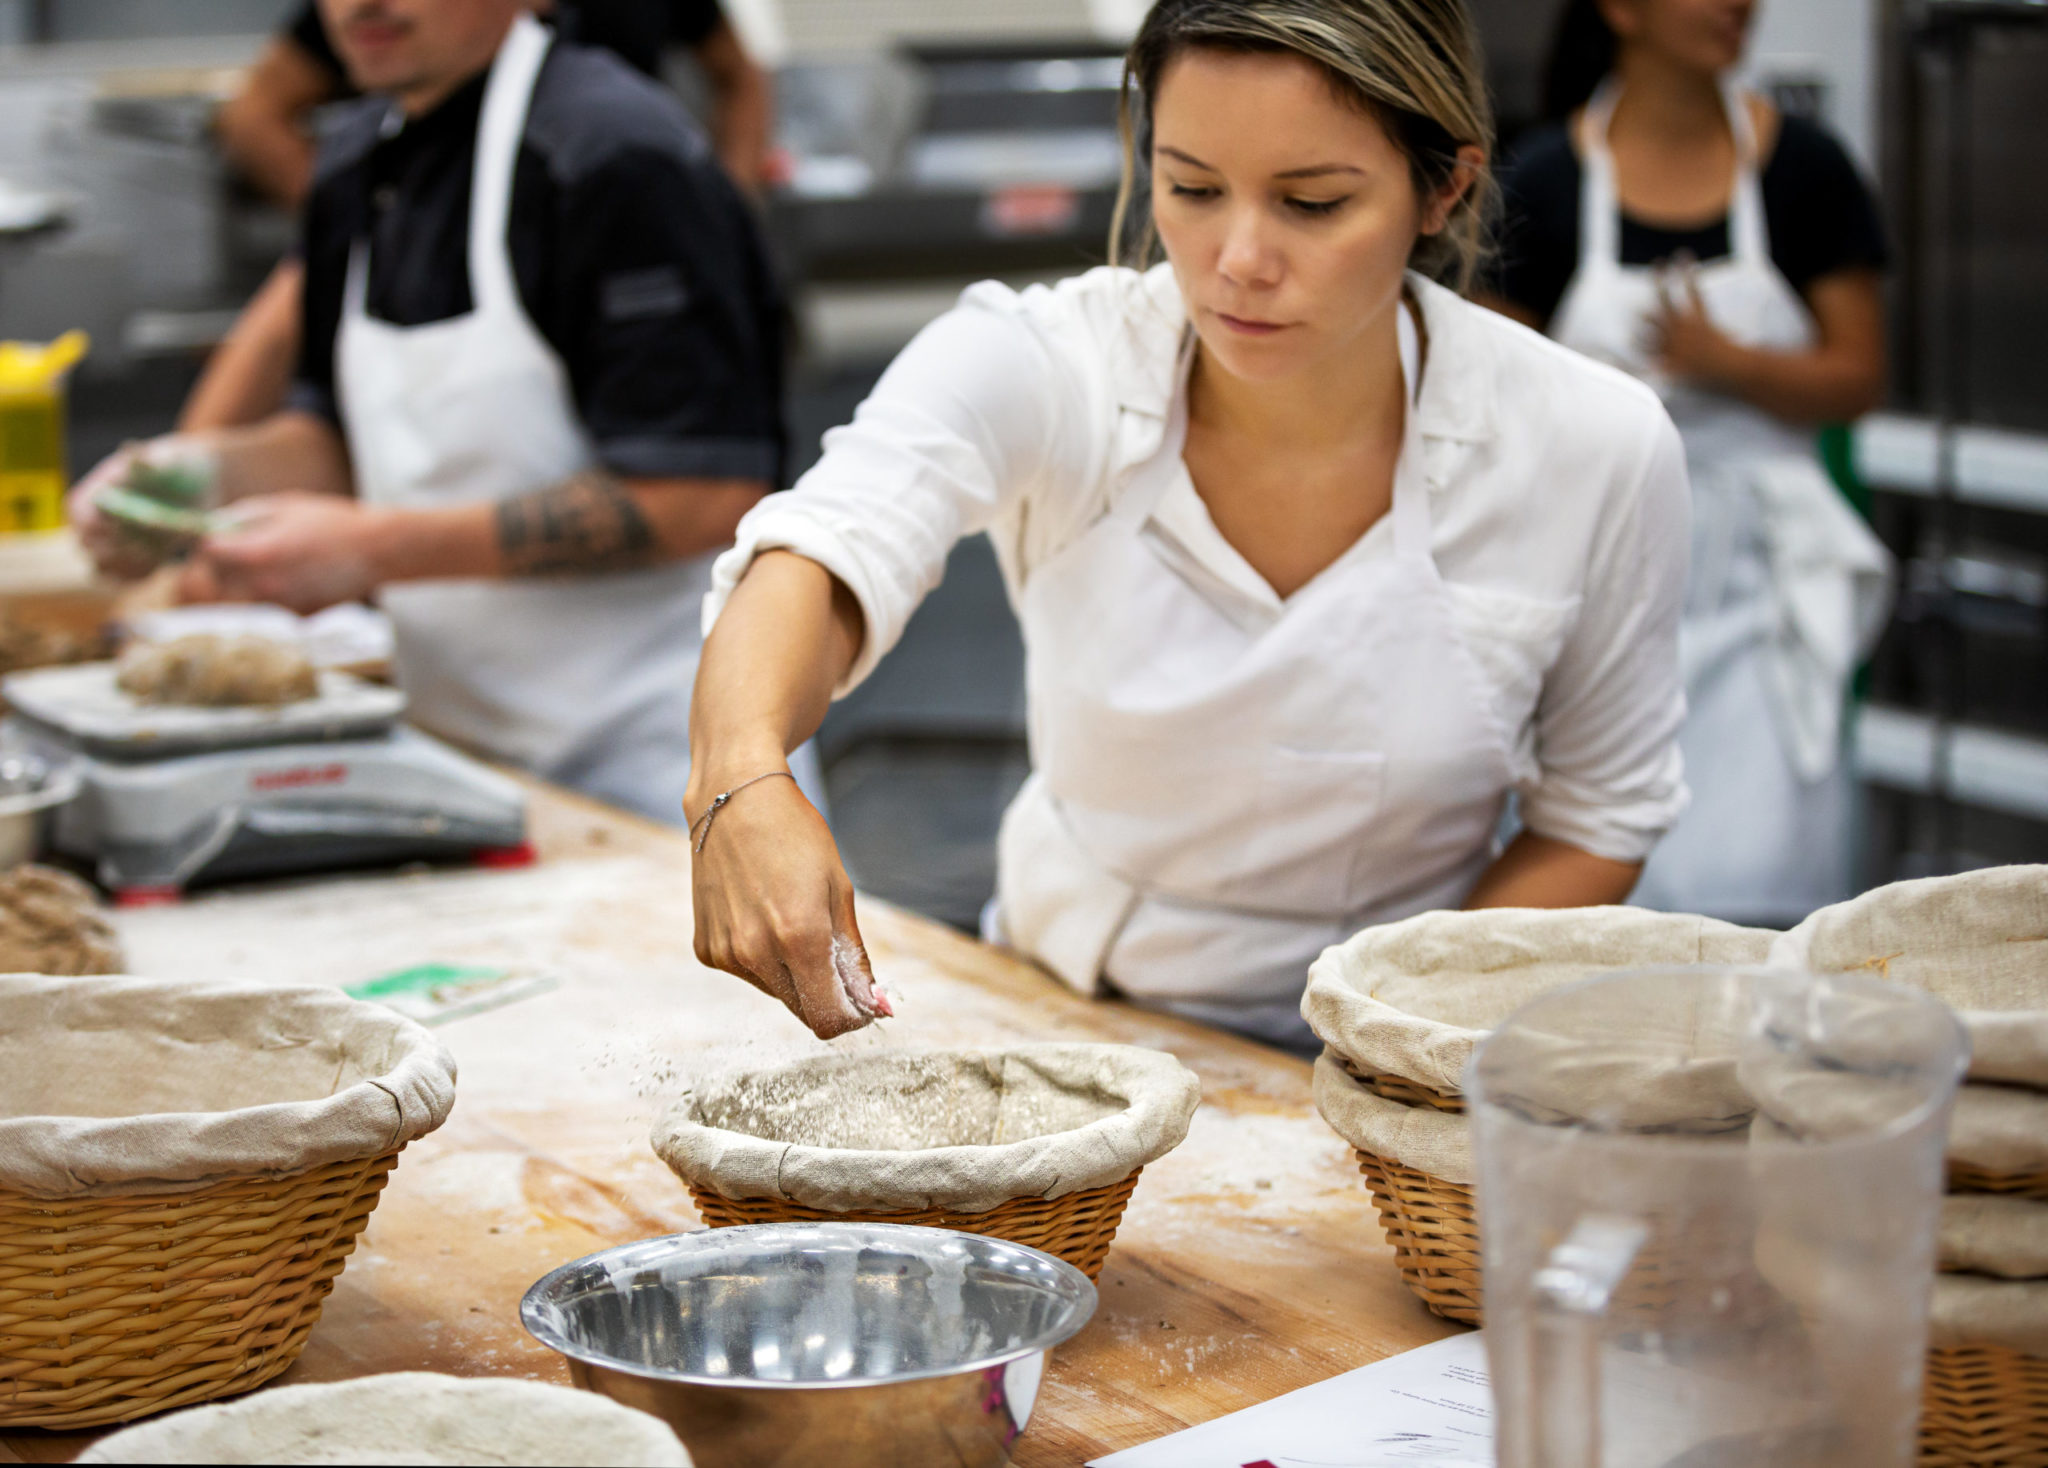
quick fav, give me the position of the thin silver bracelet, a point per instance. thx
(701, 827)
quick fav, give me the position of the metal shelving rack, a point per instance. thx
(1958, 465)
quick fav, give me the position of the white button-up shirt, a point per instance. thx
(1558, 501)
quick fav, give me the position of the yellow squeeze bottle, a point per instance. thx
(32, 468)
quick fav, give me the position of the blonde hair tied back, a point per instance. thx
(1413, 64)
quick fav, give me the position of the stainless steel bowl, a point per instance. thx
(785, 1345)
(31, 789)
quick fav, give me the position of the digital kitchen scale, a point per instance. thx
(174, 796)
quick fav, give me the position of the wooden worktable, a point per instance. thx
(1249, 1263)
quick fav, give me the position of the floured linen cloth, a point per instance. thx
(1971, 1310)
(1979, 941)
(1996, 1128)
(967, 1130)
(1414, 998)
(113, 1086)
(1422, 1137)
(1986, 1233)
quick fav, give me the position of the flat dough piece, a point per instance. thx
(406, 1417)
(207, 670)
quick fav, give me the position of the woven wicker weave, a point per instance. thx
(1435, 1233)
(1984, 1405)
(1431, 1223)
(1076, 1227)
(111, 1308)
(1963, 1178)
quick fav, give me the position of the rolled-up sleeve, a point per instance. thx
(960, 426)
(1611, 777)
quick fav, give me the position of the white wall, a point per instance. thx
(1835, 40)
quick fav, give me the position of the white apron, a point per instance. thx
(1195, 832)
(584, 679)
(1788, 587)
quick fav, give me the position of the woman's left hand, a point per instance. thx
(1685, 341)
(299, 550)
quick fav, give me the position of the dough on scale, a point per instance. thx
(206, 670)
(405, 1417)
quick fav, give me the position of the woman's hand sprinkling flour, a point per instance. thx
(764, 913)
(850, 962)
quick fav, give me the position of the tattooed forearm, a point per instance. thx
(588, 523)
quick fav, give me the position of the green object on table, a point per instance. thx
(163, 506)
(434, 993)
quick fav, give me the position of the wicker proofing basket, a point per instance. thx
(111, 1308)
(1982, 1406)
(184, 1167)
(1986, 1404)
(1039, 1144)
(1077, 1227)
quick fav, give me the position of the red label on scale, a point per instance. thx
(299, 778)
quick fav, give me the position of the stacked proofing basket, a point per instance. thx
(1980, 942)
(184, 1168)
(1036, 1144)
(1401, 1009)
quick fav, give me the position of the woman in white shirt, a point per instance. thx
(1316, 562)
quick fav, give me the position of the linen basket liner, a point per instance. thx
(1985, 1233)
(966, 1130)
(1970, 1310)
(404, 1417)
(117, 1086)
(1414, 998)
(1978, 941)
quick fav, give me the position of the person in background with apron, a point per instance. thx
(1316, 561)
(267, 132)
(1729, 256)
(539, 387)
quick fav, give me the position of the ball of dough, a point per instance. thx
(207, 670)
(52, 923)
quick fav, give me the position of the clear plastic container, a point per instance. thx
(1708, 1200)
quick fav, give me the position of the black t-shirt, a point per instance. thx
(1821, 216)
(638, 30)
(634, 254)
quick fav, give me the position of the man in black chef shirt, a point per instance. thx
(529, 444)
(264, 127)
(266, 131)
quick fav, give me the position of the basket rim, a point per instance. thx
(744, 1165)
(66, 1157)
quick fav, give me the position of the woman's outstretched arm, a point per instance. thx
(773, 902)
